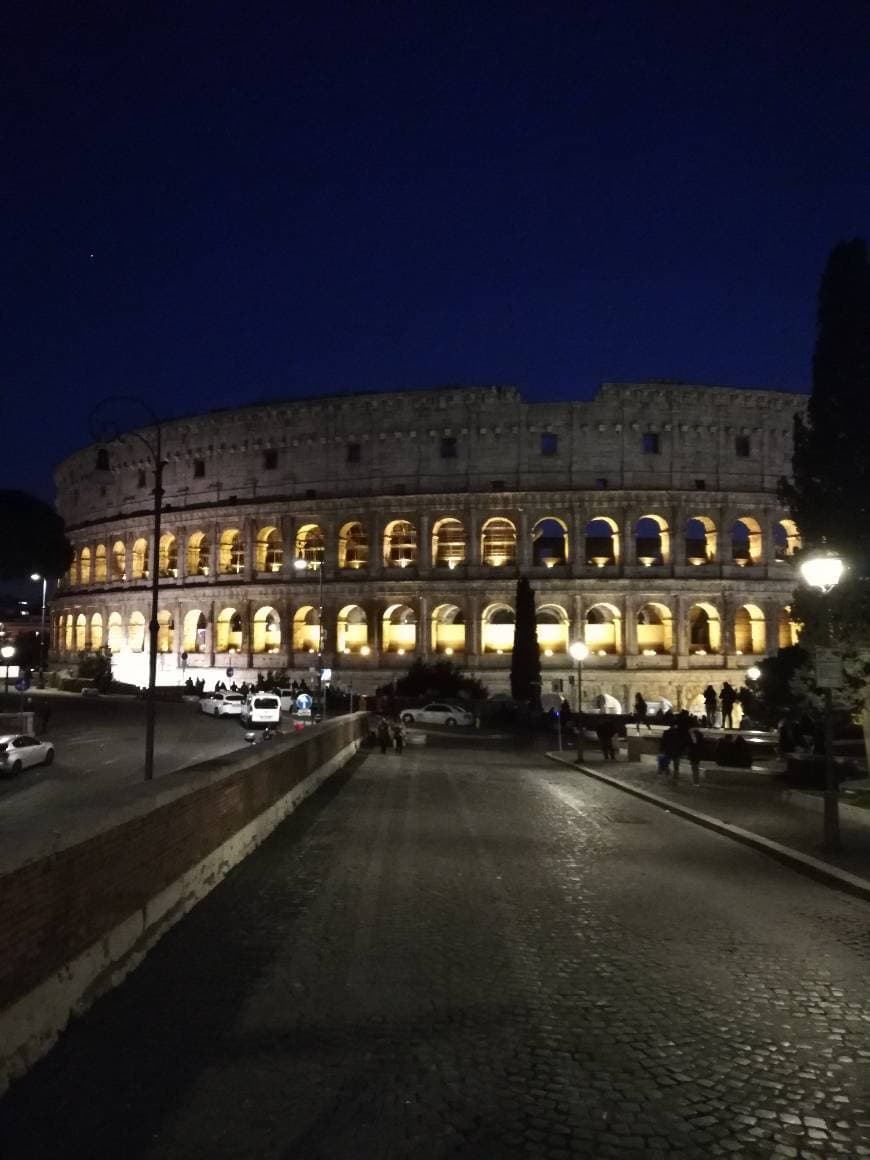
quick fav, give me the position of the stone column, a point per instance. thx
(681, 631)
(524, 541)
(630, 627)
(213, 553)
(473, 641)
(287, 527)
(425, 562)
(473, 521)
(576, 628)
(249, 537)
(577, 543)
(424, 628)
(629, 542)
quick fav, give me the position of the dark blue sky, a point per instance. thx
(211, 204)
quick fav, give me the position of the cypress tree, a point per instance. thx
(526, 655)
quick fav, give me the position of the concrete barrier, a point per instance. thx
(77, 918)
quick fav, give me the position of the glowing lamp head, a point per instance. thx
(753, 673)
(7, 651)
(365, 650)
(822, 572)
(579, 651)
(299, 564)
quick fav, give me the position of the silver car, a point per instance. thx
(438, 713)
(223, 704)
(20, 750)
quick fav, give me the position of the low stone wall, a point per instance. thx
(74, 922)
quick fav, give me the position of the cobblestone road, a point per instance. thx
(459, 954)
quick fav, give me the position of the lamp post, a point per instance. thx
(823, 572)
(579, 651)
(301, 565)
(7, 652)
(36, 576)
(104, 432)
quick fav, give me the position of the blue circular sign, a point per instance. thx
(303, 701)
(230, 671)
(22, 684)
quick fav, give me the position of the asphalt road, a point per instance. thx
(464, 953)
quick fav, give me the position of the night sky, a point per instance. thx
(215, 204)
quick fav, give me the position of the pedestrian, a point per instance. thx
(384, 736)
(398, 737)
(672, 748)
(694, 748)
(728, 698)
(710, 703)
(604, 731)
(640, 712)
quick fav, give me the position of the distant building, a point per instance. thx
(647, 520)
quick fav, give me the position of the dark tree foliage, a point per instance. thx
(438, 679)
(526, 655)
(830, 493)
(32, 538)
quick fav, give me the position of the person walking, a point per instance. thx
(727, 697)
(383, 733)
(710, 703)
(694, 749)
(672, 749)
(398, 737)
(640, 712)
(605, 731)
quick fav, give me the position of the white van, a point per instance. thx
(288, 699)
(261, 709)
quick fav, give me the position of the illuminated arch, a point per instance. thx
(72, 575)
(353, 546)
(266, 631)
(448, 629)
(746, 541)
(100, 574)
(165, 632)
(139, 559)
(602, 629)
(700, 541)
(197, 554)
(85, 566)
(229, 631)
(352, 629)
(552, 628)
(269, 550)
(448, 543)
(399, 625)
(602, 541)
(119, 560)
(497, 628)
(654, 629)
(96, 632)
(749, 630)
(115, 638)
(400, 544)
(498, 542)
(310, 544)
(69, 637)
(231, 554)
(168, 555)
(788, 632)
(549, 542)
(306, 629)
(786, 539)
(652, 540)
(705, 629)
(194, 632)
(136, 632)
(81, 638)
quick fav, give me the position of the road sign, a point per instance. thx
(829, 669)
(303, 703)
(23, 683)
(230, 671)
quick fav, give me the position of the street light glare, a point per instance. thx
(299, 563)
(753, 673)
(579, 650)
(822, 572)
(35, 576)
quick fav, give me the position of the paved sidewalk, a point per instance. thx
(754, 802)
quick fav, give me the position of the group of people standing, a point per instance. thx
(681, 739)
(390, 735)
(728, 698)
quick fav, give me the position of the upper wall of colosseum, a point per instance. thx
(478, 439)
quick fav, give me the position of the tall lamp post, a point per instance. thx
(301, 565)
(36, 576)
(106, 432)
(823, 573)
(579, 651)
(7, 652)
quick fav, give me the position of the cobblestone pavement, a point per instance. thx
(469, 954)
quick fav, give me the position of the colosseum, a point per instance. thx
(358, 532)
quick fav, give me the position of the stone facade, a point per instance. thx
(647, 520)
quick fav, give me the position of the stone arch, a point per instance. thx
(448, 629)
(165, 631)
(705, 629)
(136, 632)
(746, 541)
(654, 629)
(100, 574)
(306, 629)
(229, 631)
(786, 539)
(168, 555)
(552, 628)
(195, 630)
(399, 629)
(652, 540)
(602, 629)
(266, 631)
(749, 630)
(498, 542)
(448, 543)
(197, 554)
(96, 631)
(231, 554)
(81, 632)
(602, 541)
(400, 544)
(69, 633)
(72, 575)
(353, 546)
(352, 629)
(310, 544)
(85, 566)
(139, 559)
(550, 542)
(269, 551)
(115, 635)
(497, 628)
(119, 560)
(788, 632)
(700, 540)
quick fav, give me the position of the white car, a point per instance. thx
(223, 704)
(19, 751)
(261, 709)
(438, 713)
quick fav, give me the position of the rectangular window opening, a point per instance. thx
(601, 483)
(549, 443)
(198, 468)
(651, 443)
(270, 459)
(448, 447)
(700, 485)
(354, 453)
(741, 447)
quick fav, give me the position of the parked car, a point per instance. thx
(222, 704)
(438, 713)
(261, 709)
(21, 750)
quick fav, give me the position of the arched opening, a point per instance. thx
(602, 541)
(788, 633)
(700, 541)
(399, 629)
(270, 550)
(746, 541)
(100, 563)
(749, 631)
(786, 539)
(448, 630)
(310, 545)
(72, 576)
(136, 632)
(448, 543)
(168, 555)
(267, 631)
(602, 630)
(96, 632)
(115, 638)
(400, 544)
(69, 633)
(228, 631)
(231, 554)
(497, 635)
(705, 629)
(195, 628)
(652, 540)
(81, 632)
(165, 632)
(119, 561)
(352, 633)
(197, 554)
(140, 559)
(353, 546)
(85, 566)
(306, 630)
(549, 543)
(654, 630)
(498, 543)
(552, 627)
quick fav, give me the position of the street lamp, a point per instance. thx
(579, 651)
(301, 565)
(36, 576)
(823, 572)
(7, 652)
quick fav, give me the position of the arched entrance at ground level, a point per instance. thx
(749, 634)
(136, 632)
(448, 630)
(497, 634)
(165, 632)
(96, 631)
(352, 630)
(399, 629)
(551, 621)
(654, 630)
(115, 638)
(194, 636)
(602, 629)
(705, 629)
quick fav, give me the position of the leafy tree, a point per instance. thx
(526, 655)
(787, 687)
(33, 539)
(436, 679)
